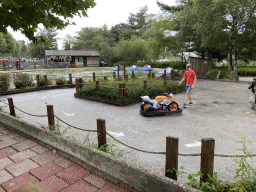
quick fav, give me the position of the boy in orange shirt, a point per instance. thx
(190, 76)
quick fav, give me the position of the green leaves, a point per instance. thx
(26, 15)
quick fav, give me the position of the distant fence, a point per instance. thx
(11, 65)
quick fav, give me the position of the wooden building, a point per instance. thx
(199, 65)
(77, 58)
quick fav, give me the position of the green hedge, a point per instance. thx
(173, 64)
(246, 71)
(225, 74)
(135, 89)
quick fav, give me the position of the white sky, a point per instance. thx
(109, 12)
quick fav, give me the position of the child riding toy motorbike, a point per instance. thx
(159, 106)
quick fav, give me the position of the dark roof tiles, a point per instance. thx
(70, 53)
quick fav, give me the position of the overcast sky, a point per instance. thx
(110, 12)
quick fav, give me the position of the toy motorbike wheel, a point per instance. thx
(144, 106)
(173, 106)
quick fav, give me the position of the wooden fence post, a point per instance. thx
(114, 75)
(120, 90)
(153, 75)
(97, 86)
(125, 89)
(50, 114)
(218, 75)
(37, 81)
(165, 82)
(207, 157)
(172, 74)
(125, 77)
(165, 73)
(171, 163)
(80, 81)
(105, 78)
(70, 79)
(4, 83)
(133, 76)
(77, 85)
(145, 84)
(11, 107)
(101, 130)
(93, 77)
(149, 74)
(45, 80)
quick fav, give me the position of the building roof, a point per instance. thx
(70, 53)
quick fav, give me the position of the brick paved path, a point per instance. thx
(26, 165)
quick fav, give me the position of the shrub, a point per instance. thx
(6, 78)
(135, 89)
(156, 64)
(60, 81)
(246, 71)
(41, 80)
(223, 75)
(22, 80)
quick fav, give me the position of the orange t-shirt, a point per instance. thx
(190, 76)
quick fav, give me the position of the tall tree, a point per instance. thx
(68, 42)
(10, 42)
(26, 15)
(222, 26)
(23, 47)
(50, 43)
(3, 44)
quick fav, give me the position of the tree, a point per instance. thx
(50, 43)
(132, 50)
(26, 15)
(10, 43)
(3, 44)
(138, 22)
(217, 26)
(23, 47)
(68, 42)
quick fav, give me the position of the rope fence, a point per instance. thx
(207, 149)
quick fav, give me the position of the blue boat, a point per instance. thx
(134, 68)
(161, 72)
(146, 68)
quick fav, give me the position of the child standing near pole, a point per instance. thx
(252, 85)
(190, 76)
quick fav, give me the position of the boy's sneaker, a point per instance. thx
(191, 103)
(184, 105)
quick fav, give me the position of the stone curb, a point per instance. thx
(16, 91)
(139, 178)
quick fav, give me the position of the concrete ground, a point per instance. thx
(221, 111)
(30, 165)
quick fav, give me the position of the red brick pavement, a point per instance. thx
(24, 161)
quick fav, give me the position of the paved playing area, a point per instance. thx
(27, 165)
(221, 111)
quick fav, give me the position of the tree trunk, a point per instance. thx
(230, 64)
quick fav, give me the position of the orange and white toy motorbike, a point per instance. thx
(159, 106)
